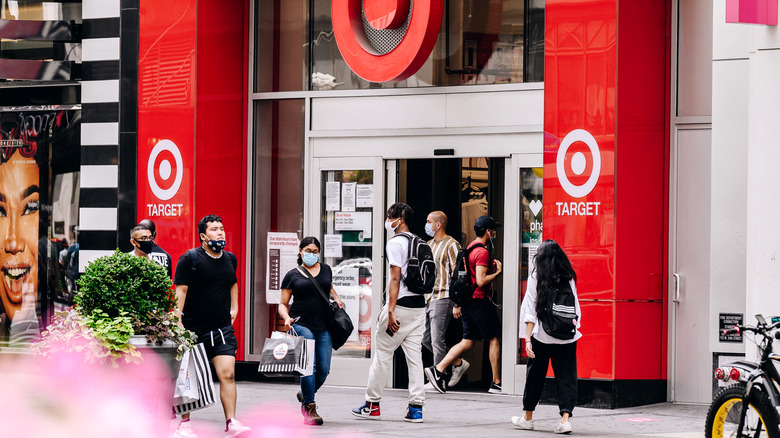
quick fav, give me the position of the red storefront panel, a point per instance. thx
(192, 100)
(606, 88)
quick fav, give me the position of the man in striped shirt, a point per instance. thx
(438, 305)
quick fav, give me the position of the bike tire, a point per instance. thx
(724, 411)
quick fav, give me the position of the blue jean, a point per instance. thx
(323, 350)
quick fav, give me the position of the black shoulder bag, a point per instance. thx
(339, 326)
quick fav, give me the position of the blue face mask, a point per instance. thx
(429, 229)
(310, 259)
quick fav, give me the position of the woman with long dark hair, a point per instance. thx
(309, 315)
(551, 314)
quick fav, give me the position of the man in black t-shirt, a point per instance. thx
(207, 303)
(142, 239)
(158, 254)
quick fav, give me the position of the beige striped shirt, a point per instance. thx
(445, 254)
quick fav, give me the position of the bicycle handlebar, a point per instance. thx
(759, 329)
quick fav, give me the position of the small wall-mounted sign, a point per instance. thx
(752, 11)
(727, 321)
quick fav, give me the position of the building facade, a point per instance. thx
(636, 134)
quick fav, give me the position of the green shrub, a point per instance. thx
(125, 283)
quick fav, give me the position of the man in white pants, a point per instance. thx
(401, 323)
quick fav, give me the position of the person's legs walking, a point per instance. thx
(412, 350)
(323, 351)
(564, 364)
(536, 372)
(226, 368)
(426, 341)
(439, 320)
(383, 358)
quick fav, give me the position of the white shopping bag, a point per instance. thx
(187, 381)
(201, 379)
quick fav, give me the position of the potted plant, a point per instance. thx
(123, 308)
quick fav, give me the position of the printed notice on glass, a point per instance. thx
(333, 245)
(332, 196)
(282, 256)
(365, 195)
(348, 196)
(353, 221)
(345, 283)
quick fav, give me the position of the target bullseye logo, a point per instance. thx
(165, 169)
(579, 163)
(424, 18)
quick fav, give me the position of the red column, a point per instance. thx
(606, 99)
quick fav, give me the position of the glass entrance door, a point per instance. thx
(347, 212)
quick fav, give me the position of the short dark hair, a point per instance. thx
(150, 225)
(480, 231)
(306, 241)
(138, 228)
(401, 210)
(204, 223)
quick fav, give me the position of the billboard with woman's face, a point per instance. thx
(36, 146)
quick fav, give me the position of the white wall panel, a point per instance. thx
(104, 176)
(729, 40)
(99, 49)
(99, 134)
(88, 255)
(381, 112)
(763, 204)
(100, 91)
(728, 194)
(100, 8)
(495, 109)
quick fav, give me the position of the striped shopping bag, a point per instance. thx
(287, 356)
(203, 378)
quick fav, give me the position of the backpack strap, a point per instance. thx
(306, 273)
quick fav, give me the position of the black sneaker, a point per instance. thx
(495, 388)
(436, 379)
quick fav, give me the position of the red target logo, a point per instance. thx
(578, 164)
(163, 182)
(386, 40)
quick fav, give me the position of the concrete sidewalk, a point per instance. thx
(273, 411)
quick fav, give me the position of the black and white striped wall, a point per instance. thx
(109, 97)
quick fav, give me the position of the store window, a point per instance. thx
(281, 49)
(277, 196)
(480, 42)
(531, 189)
(39, 181)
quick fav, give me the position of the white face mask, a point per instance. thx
(389, 225)
(429, 229)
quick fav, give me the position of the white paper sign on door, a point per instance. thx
(345, 283)
(348, 196)
(282, 256)
(333, 245)
(365, 195)
(353, 221)
(332, 196)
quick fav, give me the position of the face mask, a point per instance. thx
(216, 245)
(429, 229)
(389, 226)
(145, 246)
(310, 259)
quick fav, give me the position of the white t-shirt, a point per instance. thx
(528, 314)
(398, 255)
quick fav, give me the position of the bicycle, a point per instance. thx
(758, 383)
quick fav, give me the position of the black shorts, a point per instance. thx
(219, 342)
(480, 320)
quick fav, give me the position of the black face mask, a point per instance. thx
(216, 245)
(145, 246)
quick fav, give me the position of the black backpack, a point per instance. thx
(461, 286)
(559, 318)
(420, 270)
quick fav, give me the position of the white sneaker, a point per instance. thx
(522, 423)
(457, 372)
(184, 431)
(563, 428)
(236, 429)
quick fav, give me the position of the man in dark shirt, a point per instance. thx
(142, 240)
(158, 254)
(207, 302)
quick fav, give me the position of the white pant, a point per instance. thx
(409, 337)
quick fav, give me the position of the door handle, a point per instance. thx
(676, 288)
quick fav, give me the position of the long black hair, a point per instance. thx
(306, 241)
(552, 267)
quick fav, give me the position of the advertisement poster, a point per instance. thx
(333, 245)
(353, 221)
(282, 256)
(345, 282)
(365, 195)
(332, 196)
(34, 282)
(348, 196)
